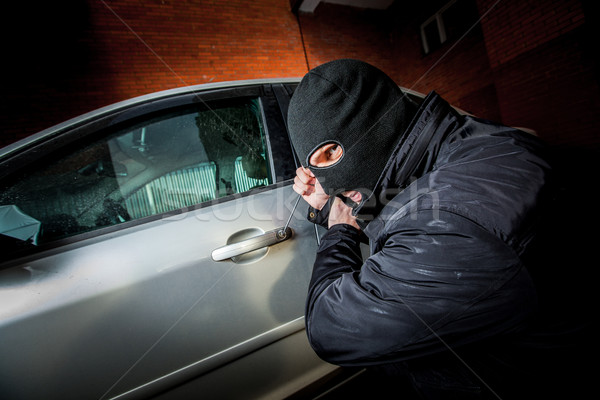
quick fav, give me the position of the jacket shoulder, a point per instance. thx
(490, 174)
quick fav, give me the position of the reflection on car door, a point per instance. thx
(121, 297)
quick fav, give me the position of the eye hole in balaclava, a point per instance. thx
(326, 155)
(356, 106)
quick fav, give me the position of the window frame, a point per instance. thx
(74, 134)
(439, 21)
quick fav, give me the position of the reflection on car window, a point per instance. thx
(170, 162)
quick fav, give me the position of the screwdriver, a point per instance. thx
(282, 233)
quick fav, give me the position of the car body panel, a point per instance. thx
(281, 379)
(140, 308)
(157, 284)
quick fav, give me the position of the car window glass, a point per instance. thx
(172, 161)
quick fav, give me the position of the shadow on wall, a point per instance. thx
(47, 49)
(44, 39)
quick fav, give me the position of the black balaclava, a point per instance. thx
(356, 106)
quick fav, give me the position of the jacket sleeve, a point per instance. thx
(319, 217)
(451, 284)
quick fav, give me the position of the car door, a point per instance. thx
(142, 253)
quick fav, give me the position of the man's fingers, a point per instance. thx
(308, 172)
(340, 213)
(304, 176)
(307, 185)
(299, 190)
(302, 188)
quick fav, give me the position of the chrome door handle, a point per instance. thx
(254, 243)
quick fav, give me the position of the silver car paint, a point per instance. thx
(98, 320)
(134, 312)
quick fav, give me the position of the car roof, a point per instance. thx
(16, 146)
(13, 147)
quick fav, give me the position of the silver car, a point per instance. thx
(144, 252)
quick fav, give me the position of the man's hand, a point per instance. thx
(307, 185)
(340, 213)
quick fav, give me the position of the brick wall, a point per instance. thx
(528, 63)
(512, 28)
(124, 48)
(390, 40)
(545, 75)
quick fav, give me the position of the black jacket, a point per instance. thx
(445, 271)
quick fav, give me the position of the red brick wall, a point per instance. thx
(334, 32)
(127, 48)
(512, 28)
(528, 63)
(189, 42)
(390, 40)
(545, 76)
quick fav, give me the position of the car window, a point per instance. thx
(179, 159)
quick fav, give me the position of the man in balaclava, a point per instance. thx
(451, 204)
(356, 109)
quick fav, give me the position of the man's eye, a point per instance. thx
(332, 150)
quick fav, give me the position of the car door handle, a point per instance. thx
(254, 243)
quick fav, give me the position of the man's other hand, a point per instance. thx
(340, 213)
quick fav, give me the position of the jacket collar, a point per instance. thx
(415, 155)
